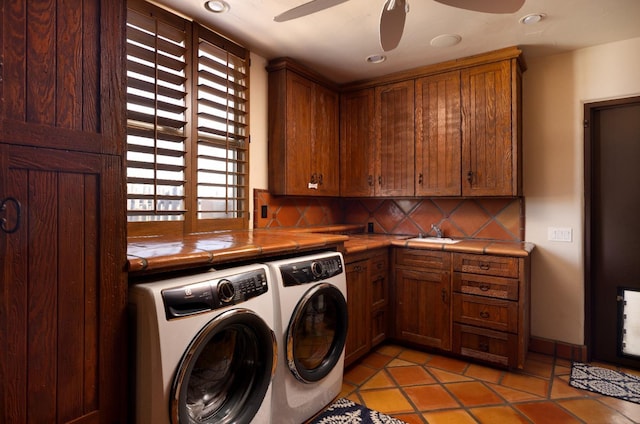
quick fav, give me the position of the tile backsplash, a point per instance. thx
(482, 218)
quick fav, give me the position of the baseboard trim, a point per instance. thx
(558, 349)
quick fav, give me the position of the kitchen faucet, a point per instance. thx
(437, 229)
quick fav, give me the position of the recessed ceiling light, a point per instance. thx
(446, 40)
(217, 6)
(376, 58)
(533, 18)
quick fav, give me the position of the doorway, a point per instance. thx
(612, 230)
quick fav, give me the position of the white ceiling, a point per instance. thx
(336, 41)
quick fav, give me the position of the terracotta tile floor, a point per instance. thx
(419, 387)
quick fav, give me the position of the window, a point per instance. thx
(187, 142)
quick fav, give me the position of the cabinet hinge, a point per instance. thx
(586, 123)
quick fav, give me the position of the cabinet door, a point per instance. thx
(423, 311)
(488, 163)
(357, 147)
(326, 149)
(438, 139)
(62, 313)
(299, 135)
(395, 139)
(359, 334)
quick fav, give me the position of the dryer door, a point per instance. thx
(226, 371)
(317, 333)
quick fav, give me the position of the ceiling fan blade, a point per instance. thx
(493, 6)
(392, 20)
(307, 9)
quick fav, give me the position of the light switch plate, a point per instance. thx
(564, 234)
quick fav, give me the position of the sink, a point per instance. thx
(443, 240)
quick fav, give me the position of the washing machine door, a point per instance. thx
(317, 333)
(226, 371)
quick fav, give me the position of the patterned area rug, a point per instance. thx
(343, 411)
(605, 381)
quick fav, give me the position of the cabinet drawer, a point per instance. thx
(423, 258)
(379, 266)
(487, 345)
(485, 312)
(482, 285)
(501, 266)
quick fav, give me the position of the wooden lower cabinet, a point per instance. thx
(423, 297)
(367, 301)
(472, 305)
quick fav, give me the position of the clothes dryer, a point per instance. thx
(205, 349)
(311, 329)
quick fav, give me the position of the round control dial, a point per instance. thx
(316, 269)
(226, 291)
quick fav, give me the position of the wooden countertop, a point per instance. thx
(147, 255)
(164, 253)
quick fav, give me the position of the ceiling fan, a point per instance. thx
(394, 14)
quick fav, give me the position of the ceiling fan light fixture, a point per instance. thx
(532, 18)
(217, 6)
(445, 40)
(376, 58)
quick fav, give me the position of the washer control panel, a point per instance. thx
(309, 271)
(212, 294)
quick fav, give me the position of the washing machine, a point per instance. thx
(205, 347)
(310, 300)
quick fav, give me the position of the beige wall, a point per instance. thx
(555, 91)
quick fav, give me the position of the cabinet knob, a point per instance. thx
(484, 314)
(420, 178)
(379, 180)
(370, 180)
(470, 177)
(483, 346)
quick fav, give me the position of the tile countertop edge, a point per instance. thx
(484, 247)
(160, 254)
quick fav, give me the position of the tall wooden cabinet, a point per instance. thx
(394, 139)
(357, 149)
(438, 135)
(491, 144)
(303, 132)
(63, 290)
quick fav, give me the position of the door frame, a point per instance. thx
(590, 110)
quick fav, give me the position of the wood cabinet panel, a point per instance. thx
(438, 135)
(482, 285)
(486, 345)
(66, 305)
(502, 266)
(395, 139)
(487, 138)
(64, 286)
(485, 312)
(303, 134)
(357, 147)
(358, 292)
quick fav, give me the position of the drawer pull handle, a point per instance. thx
(484, 347)
(485, 267)
(484, 314)
(484, 287)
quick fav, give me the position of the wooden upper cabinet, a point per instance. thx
(357, 147)
(490, 134)
(438, 135)
(394, 124)
(303, 133)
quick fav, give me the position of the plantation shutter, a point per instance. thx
(156, 115)
(222, 148)
(187, 125)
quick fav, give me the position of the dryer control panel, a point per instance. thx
(309, 271)
(212, 294)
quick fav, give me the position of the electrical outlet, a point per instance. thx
(564, 234)
(263, 211)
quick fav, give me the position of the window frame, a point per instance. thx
(194, 32)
